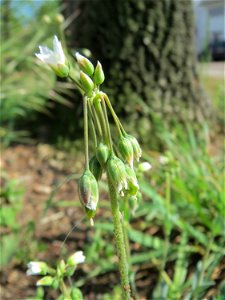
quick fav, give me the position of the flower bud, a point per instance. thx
(126, 150)
(117, 174)
(136, 147)
(46, 19)
(95, 168)
(59, 18)
(85, 65)
(102, 154)
(86, 82)
(45, 281)
(99, 76)
(76, 294)
(88, 193)
(133, 185)
(61, 268)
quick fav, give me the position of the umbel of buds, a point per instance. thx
(88, 192)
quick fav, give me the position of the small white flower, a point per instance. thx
(36, 267)
(54, 58)
(163, 160)
(77, 258)
(145, 166)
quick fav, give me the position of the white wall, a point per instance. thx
(210, 19)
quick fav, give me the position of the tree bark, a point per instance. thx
(147, 49)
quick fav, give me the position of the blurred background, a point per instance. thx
(164, 67)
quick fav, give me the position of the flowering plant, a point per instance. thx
(114, 156)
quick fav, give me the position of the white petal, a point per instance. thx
(40, 56)
(58, 50)
(145, 166)
(45, 50)
(78, 257)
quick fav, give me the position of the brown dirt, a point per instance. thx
(39, 168)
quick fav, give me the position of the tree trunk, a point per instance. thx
(147, 50)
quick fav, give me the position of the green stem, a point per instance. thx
(86, 132)
(73, 77)
(100, 114)
(95, 119)
(92, 125)
(116, 120)
(119, 239)
(107, 124)
(64, 290)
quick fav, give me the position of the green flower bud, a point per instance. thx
(85, 65)
(99, 76)
(117, 174)
(133, 185)
(126, 150)
(61, 268)
(136, 147)
(95, 168)
(86, 82)
(102, 154)
(45, 281)
(88, 192)
(59, 18)
(76, 294)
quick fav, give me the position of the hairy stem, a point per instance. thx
(119, 239)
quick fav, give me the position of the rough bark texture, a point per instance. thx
(148, 54)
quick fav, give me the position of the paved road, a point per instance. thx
(213, 69)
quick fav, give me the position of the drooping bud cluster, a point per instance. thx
(119, 167)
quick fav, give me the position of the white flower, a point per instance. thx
(54, 58)
(163, 160)
(77, 258)
(145, 166)
(36, 267)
